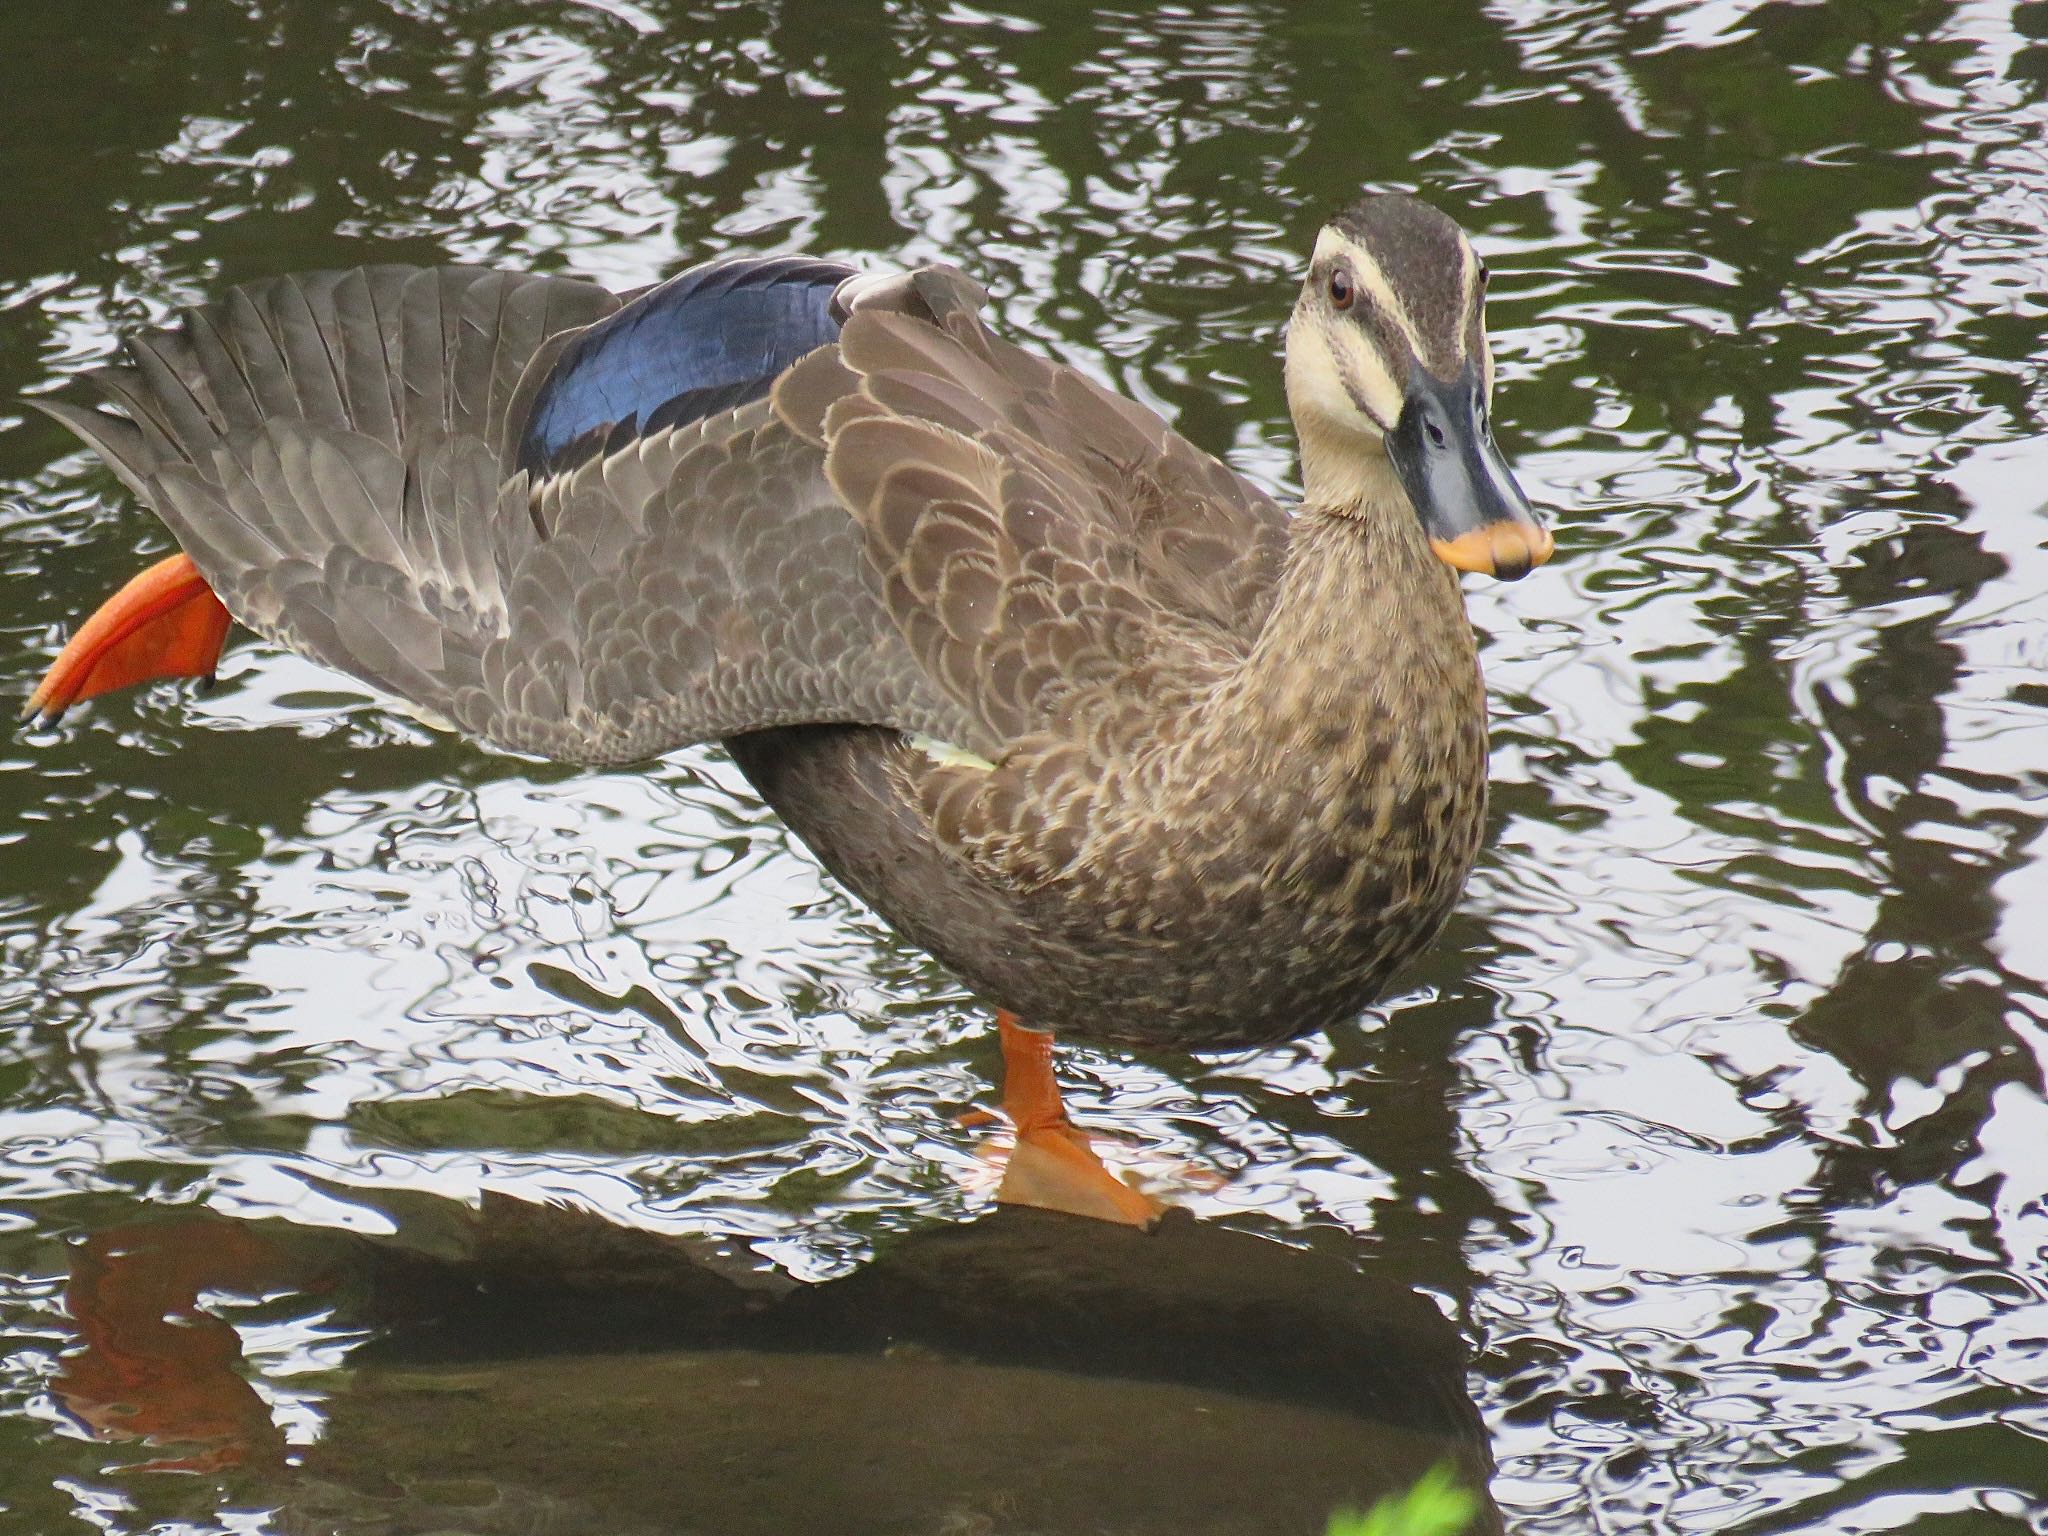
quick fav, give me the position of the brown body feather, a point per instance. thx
(1236, 864)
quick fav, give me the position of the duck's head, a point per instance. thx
(1389, 378)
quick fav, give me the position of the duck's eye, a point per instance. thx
(1341, 291)
(1485, 276)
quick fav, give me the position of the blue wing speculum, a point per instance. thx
(705, 341)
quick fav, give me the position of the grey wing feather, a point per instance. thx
(321, 447)
(910, 531)
(331, 452)
(703, 582)
(921, 527)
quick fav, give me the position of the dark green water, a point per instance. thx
(1715, 1127)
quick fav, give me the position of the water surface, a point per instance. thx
(1713, 1130)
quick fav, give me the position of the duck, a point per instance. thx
(1137, 753)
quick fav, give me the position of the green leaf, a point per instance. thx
(1436, 1506)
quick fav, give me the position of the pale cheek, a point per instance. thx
(1318, 384)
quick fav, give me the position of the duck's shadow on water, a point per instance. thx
(529, 1369)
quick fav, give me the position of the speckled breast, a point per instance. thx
(1233, 962)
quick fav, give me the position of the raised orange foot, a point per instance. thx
(164, 623)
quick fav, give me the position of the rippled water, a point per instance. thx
(1716, 1123)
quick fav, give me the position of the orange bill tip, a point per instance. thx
(1509, 550)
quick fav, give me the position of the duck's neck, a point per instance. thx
(1341, 473)
(1367, 637)
(1354, 733)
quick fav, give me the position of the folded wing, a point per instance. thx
(596, 531)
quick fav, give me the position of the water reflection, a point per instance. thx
(520, 1367)
(1718, 1116)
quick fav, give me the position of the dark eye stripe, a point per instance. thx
(1389, 338)
(1441, 338)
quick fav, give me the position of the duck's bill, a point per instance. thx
(1475, 515)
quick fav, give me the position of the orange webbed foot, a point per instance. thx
(164, 623)
(1052, 1165)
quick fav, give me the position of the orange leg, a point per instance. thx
(164, 623)
(1052, 1165)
